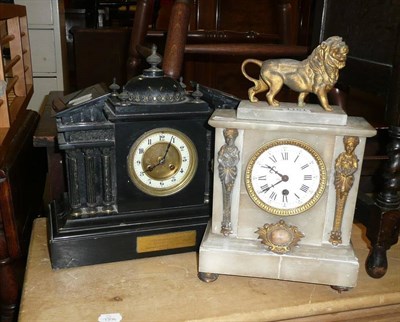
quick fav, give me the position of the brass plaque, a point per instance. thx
(166, 241)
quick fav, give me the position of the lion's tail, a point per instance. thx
(254, 61)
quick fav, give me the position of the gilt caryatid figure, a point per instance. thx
(345, 166)
(228, 158)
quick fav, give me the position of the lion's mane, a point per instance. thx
(323, 64)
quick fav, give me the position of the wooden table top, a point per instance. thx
(46, 131)
(166, 288)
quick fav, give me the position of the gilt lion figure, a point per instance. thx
(317, 74)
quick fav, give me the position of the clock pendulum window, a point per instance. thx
(285, 186)
(138, 164)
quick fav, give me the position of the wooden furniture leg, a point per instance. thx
(176, 38)
(384, 223)
(9, 250)
(139, 31)
(8, 283)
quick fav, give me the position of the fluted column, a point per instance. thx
(73, 182)
(108, 198)
(90, 176)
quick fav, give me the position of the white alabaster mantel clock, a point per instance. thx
(286, 180)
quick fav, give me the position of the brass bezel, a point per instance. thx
(291, 211)
(181, 184)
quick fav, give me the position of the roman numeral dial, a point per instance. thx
(285, 177)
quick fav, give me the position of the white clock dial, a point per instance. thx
(162, 162)
(285, 177)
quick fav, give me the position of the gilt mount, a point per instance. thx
(317, 74)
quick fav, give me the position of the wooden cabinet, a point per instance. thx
(22, 168)
(45, 31)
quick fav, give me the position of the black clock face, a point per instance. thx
(162, 164)
(285, 177)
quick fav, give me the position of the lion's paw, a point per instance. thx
(275, 103)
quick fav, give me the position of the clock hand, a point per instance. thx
(166, 151)
(273, 170)
(271, 186)
(162, 160)
(283, 176)
(150, 167)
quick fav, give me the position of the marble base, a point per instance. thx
(291, 113)
(334, 266)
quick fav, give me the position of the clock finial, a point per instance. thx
(114, 87)
(153, 60)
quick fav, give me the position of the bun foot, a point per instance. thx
(207, 277)
(341, 289)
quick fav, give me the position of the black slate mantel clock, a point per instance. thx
(138, 170)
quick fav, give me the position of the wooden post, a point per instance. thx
(176, 38)
(138, 35)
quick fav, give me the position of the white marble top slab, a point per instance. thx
(291, 113)
(223, 118)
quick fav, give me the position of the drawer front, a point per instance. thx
(40, 12)
(43, 51)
